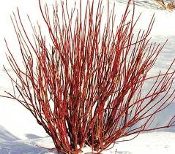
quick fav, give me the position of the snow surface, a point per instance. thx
(19, 132)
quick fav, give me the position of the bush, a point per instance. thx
(85, 82)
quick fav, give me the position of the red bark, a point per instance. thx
(87, 86)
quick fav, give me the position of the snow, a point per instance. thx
(20, 133)
(152, 143)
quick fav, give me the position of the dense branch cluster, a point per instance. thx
(85, 82)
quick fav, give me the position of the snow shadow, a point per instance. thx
(118, 152)
(9, 144)
(19, 147)
(6, 136)
(32, 136)
(123, 152)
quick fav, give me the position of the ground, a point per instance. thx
(19, 132)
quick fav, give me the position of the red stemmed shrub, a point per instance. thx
(85, 82)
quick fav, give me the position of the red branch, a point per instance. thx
(85, 82)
